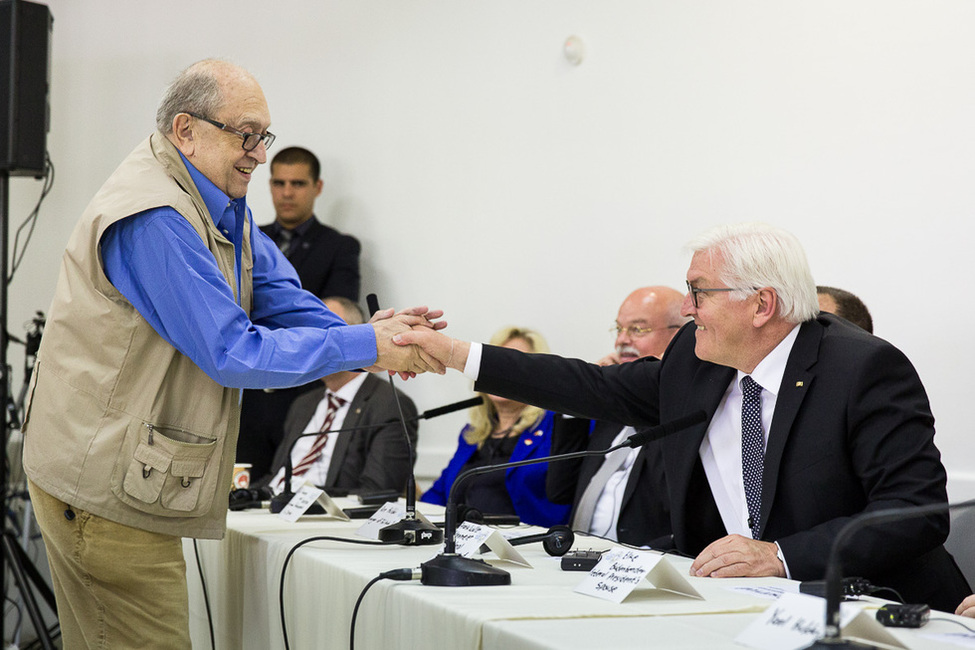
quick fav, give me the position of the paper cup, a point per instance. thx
(242, 476)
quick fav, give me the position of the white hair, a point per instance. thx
(757, 255)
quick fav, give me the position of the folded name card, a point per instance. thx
(305, 496)
(621, 570)
(797, 620)
(469, 538)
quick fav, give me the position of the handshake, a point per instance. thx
(409, 343)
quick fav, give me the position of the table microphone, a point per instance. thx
(834, 567)
(279, 501)
(452, 570)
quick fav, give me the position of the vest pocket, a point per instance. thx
(166, 471)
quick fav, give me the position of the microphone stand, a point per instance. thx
(832, 638)
(452, 570)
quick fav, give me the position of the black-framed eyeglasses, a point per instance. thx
(251, 140)
(694, 291)
(636, 332)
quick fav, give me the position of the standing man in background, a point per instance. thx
(327, 263)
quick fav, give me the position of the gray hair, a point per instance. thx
(195, 90)
(759, 255)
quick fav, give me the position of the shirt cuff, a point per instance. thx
(778, 553)
(473, 366)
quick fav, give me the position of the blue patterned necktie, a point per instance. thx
(752, 449)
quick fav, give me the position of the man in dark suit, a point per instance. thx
(327, 262)
(609, 495)
(845, 305)
(810, 422)
(374, 458)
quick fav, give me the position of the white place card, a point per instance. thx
(331, 508)
(390, 513)
(796, 620)
(621, 570)
(469, 538)
(304, 496)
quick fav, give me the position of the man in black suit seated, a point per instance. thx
(371, 459)
(327, 263)
(612, 496)
(845, 305)
(810, 422)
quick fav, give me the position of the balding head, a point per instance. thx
(656, 309)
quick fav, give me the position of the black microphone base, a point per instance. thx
(458, 571)
(279, 501)
(411, 532)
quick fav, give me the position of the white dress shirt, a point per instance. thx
(318, 472)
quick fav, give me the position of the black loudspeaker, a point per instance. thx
(25, 79)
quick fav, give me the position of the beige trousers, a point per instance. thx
(116, 586)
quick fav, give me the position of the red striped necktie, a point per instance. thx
(334, 404)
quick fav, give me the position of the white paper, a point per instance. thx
(390, 513)
(793, 622)
(300, 502)
(961, 639)
(617, 573)
(468, 538)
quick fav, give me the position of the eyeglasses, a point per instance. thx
(251, 140)
(636, 332)
(694, 291)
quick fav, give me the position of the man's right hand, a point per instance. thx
(407, 360)
(450, 353)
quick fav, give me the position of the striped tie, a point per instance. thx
(334, 404)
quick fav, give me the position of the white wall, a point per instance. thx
(485, 175)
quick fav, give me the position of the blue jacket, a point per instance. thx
(526, 485)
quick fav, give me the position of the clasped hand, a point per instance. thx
(407, 360)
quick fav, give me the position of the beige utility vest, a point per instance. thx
(118, 422)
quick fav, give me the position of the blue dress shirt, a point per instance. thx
(161, 265)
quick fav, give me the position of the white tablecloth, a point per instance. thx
(538, 610)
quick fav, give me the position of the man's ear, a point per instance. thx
(766, 307)
(182, 135)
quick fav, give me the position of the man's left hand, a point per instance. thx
(736, 556)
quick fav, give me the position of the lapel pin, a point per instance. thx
(798, 384)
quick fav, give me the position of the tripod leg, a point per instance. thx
(15, 558)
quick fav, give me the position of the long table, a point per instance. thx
(539, 610)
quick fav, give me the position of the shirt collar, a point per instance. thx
(217, 203)
(297, 231)
(348, 391)
(770, 370)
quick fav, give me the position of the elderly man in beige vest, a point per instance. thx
(169, 302)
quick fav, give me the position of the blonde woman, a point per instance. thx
(502, 430)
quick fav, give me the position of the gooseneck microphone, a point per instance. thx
(834, 567)
(452, 570)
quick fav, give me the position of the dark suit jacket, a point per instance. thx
(644, 513)
(327, 263)
(371, 459)
(852, 432)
